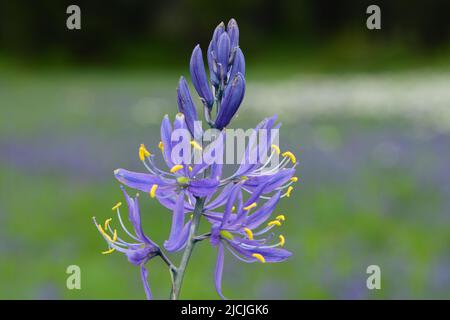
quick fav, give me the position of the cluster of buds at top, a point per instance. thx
(226, 87)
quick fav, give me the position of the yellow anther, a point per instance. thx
(107, 221)
(249, 233)
(190, 169)
(290, 155)
(250, 206)
(289, 190)
(282, 240)
(259, 257)
(143, 152)
(294, 179)
(191, 216)
(176, 168)
(276, 148)
(195, 145)
(274, 223)
(281, 217)
(233, 209)
(226, 234)
(109, 251)
(244, 178)
(114, 239)
(104, 233)
(116, 206)
(153, 190)
(161, 145)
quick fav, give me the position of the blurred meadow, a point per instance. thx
(367, 113)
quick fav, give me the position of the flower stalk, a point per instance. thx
(179, 274)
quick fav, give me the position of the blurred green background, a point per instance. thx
(367, 113)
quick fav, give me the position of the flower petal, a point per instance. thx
(203, 187)
(238, 64)
(232, 98)
(144, 278)
(174, 242)
(233, 32)
(198, 77)
(166, 139)
(185, 104)
(140, 181)
(219, 270)
(223, 54)
(263, 213)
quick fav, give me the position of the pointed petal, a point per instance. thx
(219, 270)
(213, 71)
(263, 213)
(223, 53)
(233, 32)
(144, 278)
(229, 205)
(166, 135)
(198, 77)
(238, 64)
(139, 181)
(232, 98)
(271, 181)
(185, 104)
(176, 236)
(134, 216)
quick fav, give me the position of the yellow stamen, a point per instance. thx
(281, 217)
(282, 240)
(191, 216)
(249, 233)
(114, 239)
(294, 179)
(274, 223)
(107, 221)
(104, 233)
(226, 234)
(116, 206)
(143, 152)
(153, 190)
(161, 145)
(176, 168)
(190, 169)
(109, 251)
(195, 145)
(259, 257)
(250, 206)
(289, 190)
(290, 155)
(277, 148)
(244, 178)
(233, 209)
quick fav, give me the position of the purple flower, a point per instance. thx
(181, 176)
(222, 51)
(198, 77)
(232, 98)
(256, 170)
(187, 107)
(242, 233)
(140, 249)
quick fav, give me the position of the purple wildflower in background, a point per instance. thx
(238, 207)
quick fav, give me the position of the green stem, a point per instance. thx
(179, 274)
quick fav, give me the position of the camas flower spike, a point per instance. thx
(237, 207)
